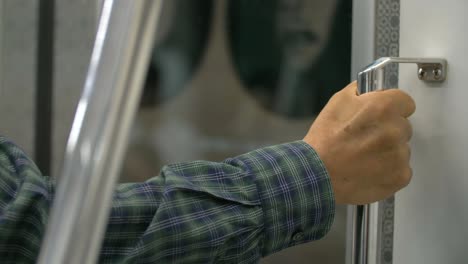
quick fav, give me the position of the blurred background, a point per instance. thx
(225, 77)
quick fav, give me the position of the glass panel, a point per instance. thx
(227, 77)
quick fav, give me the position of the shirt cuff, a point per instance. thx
(295, 192)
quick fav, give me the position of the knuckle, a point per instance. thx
(399, 164)
(412, 105)
(409, 129)
(405, 177)
(403, 167)
(406, 153)
(380, 108)
(404, 100)
(393, 135)
(335, 97)
(397, 132)
(402, 157)
(408, 100)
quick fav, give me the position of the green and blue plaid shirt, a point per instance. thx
(235, 211)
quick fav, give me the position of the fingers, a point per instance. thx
(406, 172)
(399, 166)
(363, 141)
(392, 134)
(394, 99)
(404, 128)
(397, 100)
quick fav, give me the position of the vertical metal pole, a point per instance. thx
(98, 136)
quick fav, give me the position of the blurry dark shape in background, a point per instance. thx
(179, 46)
(292, 55)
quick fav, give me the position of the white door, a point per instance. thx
(428, 223)
(431, 215)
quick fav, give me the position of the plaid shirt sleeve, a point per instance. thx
(235, 211)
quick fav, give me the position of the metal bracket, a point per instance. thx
(372, 78)
(432, 72)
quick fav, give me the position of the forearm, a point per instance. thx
(238, 211)
(25, 198)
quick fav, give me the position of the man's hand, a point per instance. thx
(363, 141)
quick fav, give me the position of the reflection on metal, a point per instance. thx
(372, 78)
(98, 136)
(365, 217)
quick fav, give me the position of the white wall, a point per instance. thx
(431, 215)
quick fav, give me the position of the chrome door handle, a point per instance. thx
(372, 78)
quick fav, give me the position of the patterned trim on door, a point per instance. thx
(387, 36)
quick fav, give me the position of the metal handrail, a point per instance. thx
(365, 233)
(100, 130)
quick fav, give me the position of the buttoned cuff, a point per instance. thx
(295, 193)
